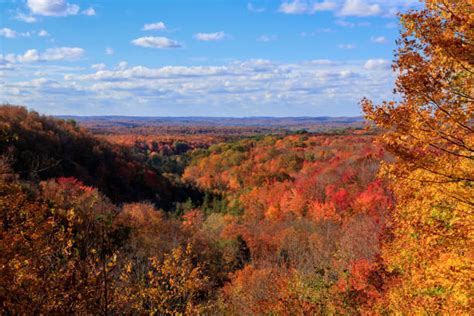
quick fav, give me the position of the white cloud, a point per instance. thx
(52, 7)
(50, 54)
(158, 26)
(4, 65)
(309, 7)
(62, 53)
(30, 55)
(89, 12)
(316, 32)
(346, 74)
(266, 38)
(346, 46)
(349, 24)
(324, 6)
(359, 8)
(100, 66)
(322, 62)
(109, 51)
(207, 37)
(378, 39)
(25, 18)
(8, 33)
(344, 23)
(122, 65)
(253, 8)
(7, 59)
(43, 33)
(294, 7)
(141, 72)
(156, 42)
(376, 64)
(47, 88)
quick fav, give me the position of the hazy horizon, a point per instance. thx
(205, 117)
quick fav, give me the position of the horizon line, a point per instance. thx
(201, 117)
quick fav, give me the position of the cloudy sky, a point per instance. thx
(197, 58)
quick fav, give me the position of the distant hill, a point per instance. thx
(274, 122)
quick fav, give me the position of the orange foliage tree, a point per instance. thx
(431, 134)
(57, 255)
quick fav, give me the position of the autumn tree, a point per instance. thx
(174, 285)
(56, 245)
(430, 132)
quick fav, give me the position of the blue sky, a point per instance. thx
(197, 58)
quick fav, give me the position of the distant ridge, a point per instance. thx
(265, 121)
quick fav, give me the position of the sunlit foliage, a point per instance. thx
(431, 133)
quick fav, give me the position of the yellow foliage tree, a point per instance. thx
(43, 267)
(175, 285)
(431, 134)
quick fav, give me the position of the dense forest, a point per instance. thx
(289, 210)
(142, 219)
